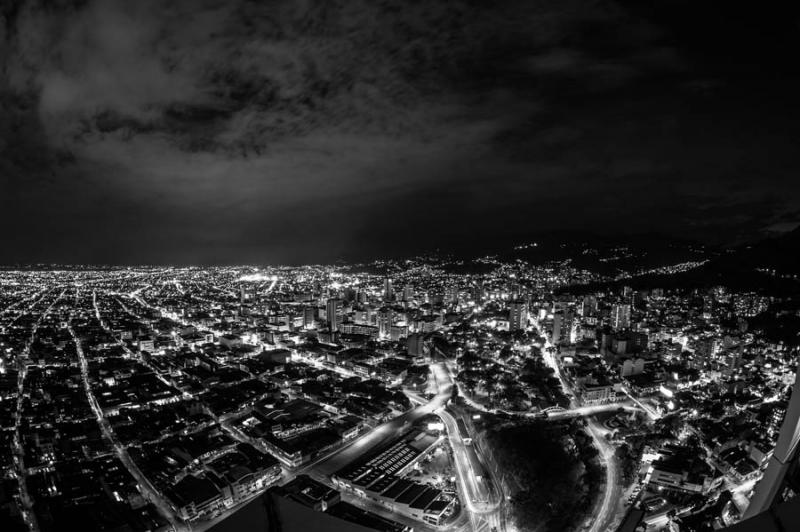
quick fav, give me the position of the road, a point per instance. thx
(481, 496)
(606, 513)
(567, 413)
(650, 412)
(480, 500)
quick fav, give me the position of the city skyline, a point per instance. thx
(399, 266)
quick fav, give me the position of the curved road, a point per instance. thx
(603, 517)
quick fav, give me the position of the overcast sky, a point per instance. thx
(222, 131)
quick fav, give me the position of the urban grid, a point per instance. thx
(425, 394)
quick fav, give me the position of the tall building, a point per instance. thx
(385, 317)
(334, 310)
(477, 292)
(517, 315)
(558, 323)
(589, 306)
(388, 291)
(247, 293)
(416, 345)
(408, 293)
(621, 316)
(309, 315)
(361, 296)
(570, 328)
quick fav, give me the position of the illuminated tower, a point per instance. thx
(385, 318)
(621, 316)
(517, 315)
(333, 312)
(388, 291)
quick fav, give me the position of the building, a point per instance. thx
(385, 318)
(589, 306)
(408, 293)
(682, 471)
(310, 493)
(398, 332)
(378, 477)
(632, 366)
(416, 345)
(597, 394)
(517, 315)
(194, 497)
(230, 341)
(388, 291)
(620, 316)
(309, 317)
(477, 292)
(558, 323)
(564, 327)
(334, 310)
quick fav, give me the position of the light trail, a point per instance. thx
(601, 520)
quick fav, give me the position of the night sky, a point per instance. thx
(223, 131)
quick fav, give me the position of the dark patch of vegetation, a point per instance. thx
(552, 469)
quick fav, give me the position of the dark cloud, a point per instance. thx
(245, 131)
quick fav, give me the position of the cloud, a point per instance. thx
(277, 130)
(240, 75)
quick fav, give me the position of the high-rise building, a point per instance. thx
(589, 306)
(408, 293)
(385, 317)
(309, 315)
(570, 327)
(558, 323)
(334, 310)
(416, 345)
(621, 316)
(517, 315)
(477, 292)
(388, 291)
